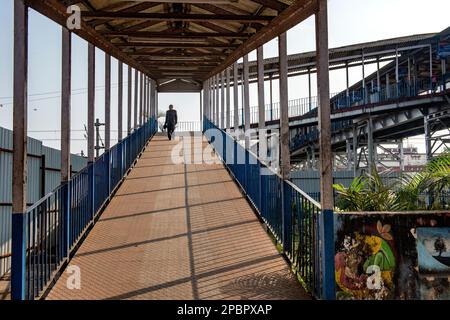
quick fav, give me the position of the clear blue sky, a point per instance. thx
(350, 21)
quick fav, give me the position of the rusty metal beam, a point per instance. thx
(294, 14)
(182, 34)
(174, 45)
(174, 16)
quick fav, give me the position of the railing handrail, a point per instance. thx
(261, 163)
(67, 212)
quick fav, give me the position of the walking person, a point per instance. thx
(171, 121)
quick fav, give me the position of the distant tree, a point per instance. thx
(439, 246)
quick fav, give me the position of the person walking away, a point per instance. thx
(171, 121)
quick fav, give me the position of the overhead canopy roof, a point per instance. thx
(188, 40)
(346, 54)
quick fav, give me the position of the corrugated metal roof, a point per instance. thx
(351, 53)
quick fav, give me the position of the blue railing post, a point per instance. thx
(18, 256)
(91, 176)
(66, 227)
(327, 254)
(287, 213)
(108, 176)
(224, 147)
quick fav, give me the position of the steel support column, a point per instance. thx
(228, 111)
(136, 98)
(284, 110)
(246, 102)
(370, 146)
(120, 103)
(347, 80)
(222, 100)
(130, 90)
(235, 97)
(91, 102)
(261, 104)
(401, 158)
(309, 90)
(427, 131)
(326, 155)
(217, 122)
(271, 97)
(213, 100)
(66, 87)
(19, 181)
(107, 101)
(141, 100)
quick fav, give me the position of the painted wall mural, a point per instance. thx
(392, 256)
(365, 265)
(433, 250)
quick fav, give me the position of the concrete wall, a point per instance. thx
(392, 256)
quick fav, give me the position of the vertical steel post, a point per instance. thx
(222, 100)
(141, 98)
(388, 88)
(120, 103)
(284, 141)
(213, 98)
(326, 166)
(235, 97)
(271, 97)
(91, 102)
(130, 97)
(363, 76)
(427, 131)
(228, 112)
(397, 77)
(309, 90)
(401, 158)
(19, 181)
(107, 101)
(217, 123)
(370, 145)
(431, 67)
(136, 98)
(378, 76)
(246, 102)
(66, 71)
(284, 112)
(261, 100)
(347, 80)
(444, 71)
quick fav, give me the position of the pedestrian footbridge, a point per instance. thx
(177, 231)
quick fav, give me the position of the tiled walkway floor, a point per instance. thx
(179, 231)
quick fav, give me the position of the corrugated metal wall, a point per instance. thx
(34, 189)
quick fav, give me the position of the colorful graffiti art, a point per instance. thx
(433, 250)
(365, 265)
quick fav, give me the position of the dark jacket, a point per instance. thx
(171, 118)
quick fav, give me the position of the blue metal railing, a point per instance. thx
(291, 215)
(53, 226)
(360, 97)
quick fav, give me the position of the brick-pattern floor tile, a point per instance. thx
(179, 231)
